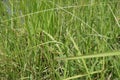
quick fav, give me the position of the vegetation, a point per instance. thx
(59, 40)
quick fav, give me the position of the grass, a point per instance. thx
(59, 40)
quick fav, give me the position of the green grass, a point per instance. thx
(59, 40)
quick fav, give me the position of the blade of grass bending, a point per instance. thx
(114, 16)
(52, 39)
(49, 42)
(37, 12)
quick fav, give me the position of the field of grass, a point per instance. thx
(59, 40)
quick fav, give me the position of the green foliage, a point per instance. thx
(59, 40)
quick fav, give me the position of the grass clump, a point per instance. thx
(59, 40)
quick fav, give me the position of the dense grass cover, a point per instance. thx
(59, 40)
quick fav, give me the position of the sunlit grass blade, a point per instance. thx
(109, 54)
